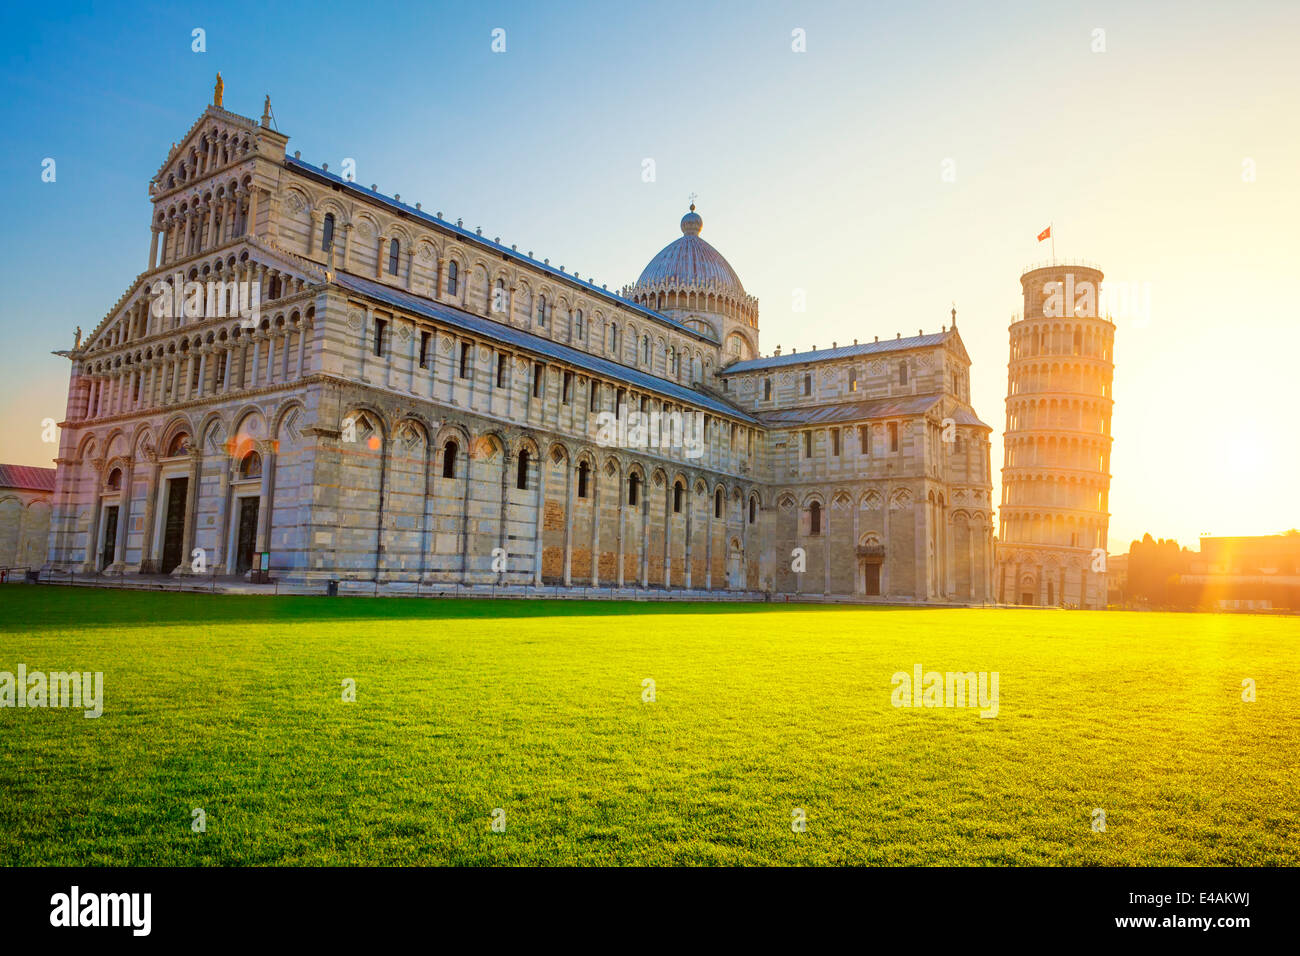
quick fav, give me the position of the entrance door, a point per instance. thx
(174, 524)
(247, 539)
(1027, 598)
(872, 570)
(110, 536)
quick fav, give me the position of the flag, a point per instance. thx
(1045, 234)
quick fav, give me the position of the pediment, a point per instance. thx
(217, 139)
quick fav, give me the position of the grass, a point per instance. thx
(233, 705)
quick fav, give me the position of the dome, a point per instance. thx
(690, 261)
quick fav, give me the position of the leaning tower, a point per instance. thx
(1056, 466)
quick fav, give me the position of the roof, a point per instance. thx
(874, 408)
(844, 351)
(850, 411)
(26, 477)
(499, 332)
(690, 262)
(495, 247)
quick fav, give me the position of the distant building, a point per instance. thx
(25, 497)
(1247, 573)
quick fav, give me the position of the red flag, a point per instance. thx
(1045, 234)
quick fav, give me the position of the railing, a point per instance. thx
(1058, 263)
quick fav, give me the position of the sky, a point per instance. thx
(901, 163)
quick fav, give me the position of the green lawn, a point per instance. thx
(233, 705)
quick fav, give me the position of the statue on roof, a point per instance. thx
(76, 343)
(218, 90)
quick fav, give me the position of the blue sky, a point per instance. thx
(818, 171)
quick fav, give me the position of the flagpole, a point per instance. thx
(1052, 233)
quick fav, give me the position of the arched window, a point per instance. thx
(394, 249)
(521, 476)
(815, 518)
(449, 459)
(114, 480)
(633, 489)
(717, 503)
(251, 466)
(327, 233)
(577, 325)
(753, 507)
(541, 311)
(678, 492)
(645, 350)
(584, 471)
(902, 373)
(499, 296)
(177, 445)
(452, 272)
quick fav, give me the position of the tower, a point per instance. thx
(1056, 466)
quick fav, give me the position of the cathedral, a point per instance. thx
(314, 381)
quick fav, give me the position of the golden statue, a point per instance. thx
(218, 90)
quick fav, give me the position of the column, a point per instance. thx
(506, 460)
(595, 527)
(687, 549)
(153, 249)
(123, 513)
(265, 494)
(147, 563)
(571, 474)
(191, 507)
(543, 466)
(254, 194)
(89, 566)
(644, 505)
(668, 531)
(621, 484)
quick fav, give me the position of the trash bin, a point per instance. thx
(332, 589)
(34, 577)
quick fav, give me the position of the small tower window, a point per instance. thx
(394, 250)
(452, 272)
(815, 518)
(327, 233)
(449, 459)
(521, 475)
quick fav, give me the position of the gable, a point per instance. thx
(218, 138)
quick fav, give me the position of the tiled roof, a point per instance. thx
(26, 477)
(849, 411)
(844, 351)
(496, 248)
(499, 332)
(873, 408)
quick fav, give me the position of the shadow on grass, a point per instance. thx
(24, 606)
